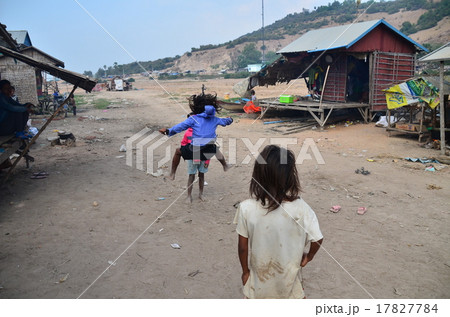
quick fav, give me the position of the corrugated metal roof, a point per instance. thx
(21, 37)
(5, 38)
(343, 36)
(441, 54)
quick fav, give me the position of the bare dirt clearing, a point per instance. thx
(55, 242)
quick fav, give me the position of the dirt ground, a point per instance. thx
(60, 233)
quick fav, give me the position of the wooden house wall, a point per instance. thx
(388, 69)
(383, 39)
(336, 83)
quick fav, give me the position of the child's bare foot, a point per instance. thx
(201, 197)
(189, 198)
(172, 176)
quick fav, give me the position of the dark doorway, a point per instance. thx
(357, 79)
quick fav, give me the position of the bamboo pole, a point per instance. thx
(322, 114)
(38, 134)
(442, 107)
(324, 84)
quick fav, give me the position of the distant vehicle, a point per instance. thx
(118, 84)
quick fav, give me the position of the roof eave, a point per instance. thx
(325, 49)
(425, 58)
(58, 62)
(71, 77)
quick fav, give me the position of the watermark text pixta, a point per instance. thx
(149, 151)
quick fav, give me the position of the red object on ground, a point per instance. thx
(251, 108)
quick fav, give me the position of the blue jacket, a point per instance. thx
(7, 104)
(204, 126)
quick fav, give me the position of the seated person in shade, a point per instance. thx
(13, 115)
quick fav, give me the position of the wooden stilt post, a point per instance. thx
(322, 114)
(442, 107)
(25, 151)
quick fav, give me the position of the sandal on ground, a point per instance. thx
(335, 209)
(361, 210)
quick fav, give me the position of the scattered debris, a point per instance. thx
(396, 292)
(422, 160)
(335, 209)
(430, 168)
(39, 175)
(95, 204)
(160, 198)
(194, 273)
(362, 171)
(361, 210)
(433, 186)
(175, 246)
(112, 263)
(158, 173)
(123, 148)
(63, 279)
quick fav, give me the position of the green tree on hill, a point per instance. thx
(88, 73)
(249, 55)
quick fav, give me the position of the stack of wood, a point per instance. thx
(286, 127)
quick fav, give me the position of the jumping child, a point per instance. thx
(202, 147)
(276, 224)
(183, 151)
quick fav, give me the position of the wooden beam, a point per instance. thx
(316, 117)
(329, 113)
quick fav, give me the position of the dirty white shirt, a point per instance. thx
(276, 242)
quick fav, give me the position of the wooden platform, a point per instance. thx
(315, 108)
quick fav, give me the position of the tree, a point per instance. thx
(249, 55)
(100, 72)
(271, 56)
(88, 73)
(408, 28)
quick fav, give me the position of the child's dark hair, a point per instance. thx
(4, 82)
(197, 103)
(275, 177)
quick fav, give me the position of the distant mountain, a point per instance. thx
(425, 21)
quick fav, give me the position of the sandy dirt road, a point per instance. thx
(55, 241)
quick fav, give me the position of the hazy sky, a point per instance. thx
(147, 29)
